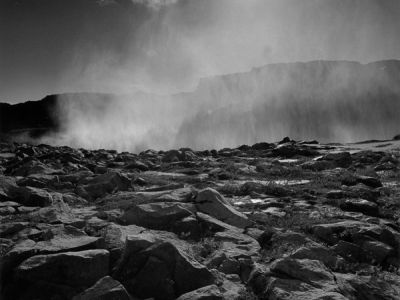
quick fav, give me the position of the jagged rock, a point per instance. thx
(349, 251)
(321, 253)
(103, 184)
(318, 165)
(210, 292)
(75, 177)
(369, 181)
(310, 271)
(8, 186)
(157, 215)
(124, 200)
(11, 228)
(188, 227)
(60, 239)
(106, 288)
(361, 191)
(138, 165)
(30, 196)
(75, 269)
(159, 269)
(211, 202)
(335, 194)
(361, 205)
(341, 159)
(329, 232)
(377, 251)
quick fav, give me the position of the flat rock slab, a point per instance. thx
(81, 268)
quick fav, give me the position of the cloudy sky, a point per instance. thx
(120, 46)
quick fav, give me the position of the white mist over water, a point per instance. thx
(172, 44)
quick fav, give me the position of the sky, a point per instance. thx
(166, 46)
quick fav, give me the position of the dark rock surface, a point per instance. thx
(245, 223)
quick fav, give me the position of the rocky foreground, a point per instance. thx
(287, 220)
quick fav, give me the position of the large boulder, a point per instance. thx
(210, 202)
(82, 268)
(103, 184)
(361, 205)
(292, 279)
(160, 270)
(30, 196)
(59, 239)
(106, 288)
(340, 159)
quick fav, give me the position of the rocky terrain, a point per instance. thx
(287, 220)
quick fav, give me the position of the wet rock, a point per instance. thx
(106, 288)
(211, 202)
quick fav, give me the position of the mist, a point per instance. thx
(165, 87)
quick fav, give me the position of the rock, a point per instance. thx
(103, 184)
(361, 205)
(79, 269)
(210, 224)
(125, 200)
(361, 191)
(61, 238)
(138, 165)
(188, 227)
(11, 228)
(161, 215)
(341, 159)
(310, 271)
(30, 196)
(262, 146)
(236, 244)
(159, 269)
(8, 186)
(292, 279)
(210, 292)
(349, 251)
(369, 181)
(335, 194)
(320, 253)
(289, 289)
(211, 202)
(106, 288)
(377, 251)
(329, 232)
(318, 165)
